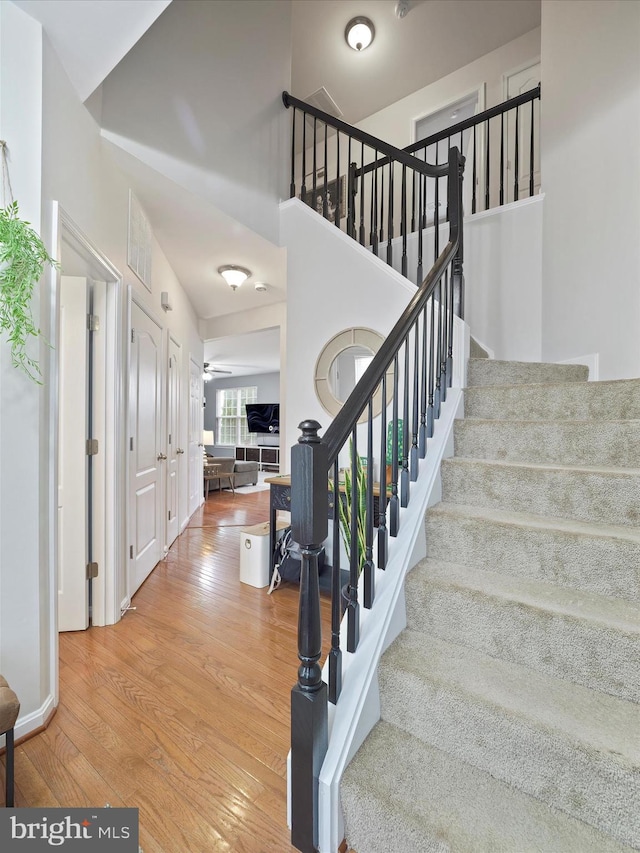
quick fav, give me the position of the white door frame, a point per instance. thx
(111, 426)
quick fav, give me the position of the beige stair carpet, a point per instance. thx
(511, 704)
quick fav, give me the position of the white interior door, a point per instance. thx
(146, 503)
(174, 448)
(195, 436)
(73, 514)
(516, 84)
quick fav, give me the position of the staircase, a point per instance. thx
(510, 716)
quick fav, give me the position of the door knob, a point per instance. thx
(161, 456)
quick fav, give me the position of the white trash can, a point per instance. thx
(255, 553)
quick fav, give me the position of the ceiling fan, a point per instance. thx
(209, 370)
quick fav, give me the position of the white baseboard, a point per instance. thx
(35, 720)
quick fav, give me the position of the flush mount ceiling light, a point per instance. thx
(260, 286)
(233, 275)
(359, 33)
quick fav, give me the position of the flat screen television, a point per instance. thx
(263, 418)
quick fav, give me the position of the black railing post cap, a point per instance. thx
(309, 431)
(285, 99)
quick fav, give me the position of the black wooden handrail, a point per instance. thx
(391, 151)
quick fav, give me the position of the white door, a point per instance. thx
(517, 84)
(195, 436)
(174, 448)
(146, 497)
(73, 511)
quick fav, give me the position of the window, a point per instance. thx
(231, 418)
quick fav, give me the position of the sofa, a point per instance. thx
(244, 473)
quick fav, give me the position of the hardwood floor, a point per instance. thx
(182, 708)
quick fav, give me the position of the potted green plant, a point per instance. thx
(23, 257)
(343, 502)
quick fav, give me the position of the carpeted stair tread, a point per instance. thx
(427, 800)
(523, 727)
(598, 558)
(585, 493)
(590, 442)
(482, 372)
(597, 720)
(617, 399)
(622, 615)
(578, 636)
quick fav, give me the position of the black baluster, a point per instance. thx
(404, 476)
(436, 366)
(516, 157)
(390, 216)
(381, 205)
(394, 509)
(501, 158)
(338, 182)
(531, 146)
(353, 608)
(413, 201)
(361, 232)
(403, 220)
(432, 354)
(487, 179)
(449, 365)
(474, 179)
(436, 213)
(374, 208)
(325, 200)
(315, 163)
(351, 192)
(382, 506)
(422, 434)
(369, 568)
(303, 188)
(413, 460)
(443, 348)
(421, 207)
(335, 654)
(309, 726)
(292, 185)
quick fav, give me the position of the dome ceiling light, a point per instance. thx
(234, 275)
(359, 33)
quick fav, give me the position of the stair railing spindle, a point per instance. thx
(335, 655)
(353, 607)
(394, 508)
(404, 475)
(383, 534)
(369, 568)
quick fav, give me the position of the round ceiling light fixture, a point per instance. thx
(260, 286)
(359, 33)
(234, 275)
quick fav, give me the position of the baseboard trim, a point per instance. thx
(34, 723)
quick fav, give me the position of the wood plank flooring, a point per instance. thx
(182, 708)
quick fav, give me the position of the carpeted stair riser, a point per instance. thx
(483, 371)
(490, 715)
(443, 805)
(615, 443)
(599, 559)
(617, 400)
(465, 607)
(609, 496)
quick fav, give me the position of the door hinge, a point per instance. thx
(169, 515)
(169, 438)
(131, 443)
(92, 570)
(131, 552)
(92, 446)
(133, 335)
(93, 322)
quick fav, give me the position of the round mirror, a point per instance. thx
(346, 369)
(342, 362)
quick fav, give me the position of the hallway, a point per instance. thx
(182, 709)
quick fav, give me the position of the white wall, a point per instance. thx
(25, 660)
(332, 284)
(394, 124)
(590, 148)
(225, 133)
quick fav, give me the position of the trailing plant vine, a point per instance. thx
(23, 257)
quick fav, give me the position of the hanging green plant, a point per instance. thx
(23, 257)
